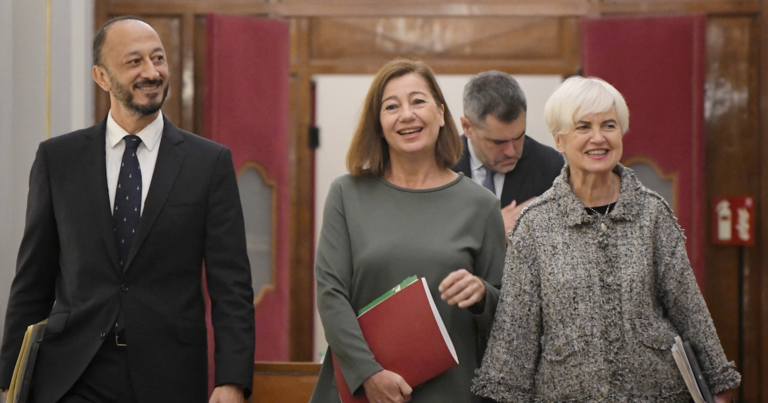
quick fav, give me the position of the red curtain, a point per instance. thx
(246, 109)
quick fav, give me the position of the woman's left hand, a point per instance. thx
(463, 288)
(724, 397)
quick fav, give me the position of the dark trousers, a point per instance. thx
(106, 379)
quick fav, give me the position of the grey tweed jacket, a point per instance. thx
(590, 305)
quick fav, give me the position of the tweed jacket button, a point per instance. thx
(558, 350)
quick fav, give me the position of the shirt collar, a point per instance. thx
(474, 162)
(149, 135)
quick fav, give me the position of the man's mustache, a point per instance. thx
(141, 83)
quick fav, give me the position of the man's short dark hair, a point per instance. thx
(101, 36)
(493, 93)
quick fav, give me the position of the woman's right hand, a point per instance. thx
(387, 387)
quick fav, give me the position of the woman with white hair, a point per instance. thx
(597, 281)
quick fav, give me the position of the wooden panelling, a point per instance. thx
(188, 71)
(398, 3)
(478, 8)
(299, 50)
(302, 234)
(432, 8)
(571, 46)
(449, 45)
(169, 29)
(284, 382)
(761, 267)
(152, 7)
(679, 6)
(732, 168)
(446, 66)
(209, 3)
(199, 38)
(454, 38)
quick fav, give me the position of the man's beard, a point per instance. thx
(125, 97)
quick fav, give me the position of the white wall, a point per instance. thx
(71, 84)
(338, 103)
(339, 100)
(22, 115)
(7, 234)
(23, 102)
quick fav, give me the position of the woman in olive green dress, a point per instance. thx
(401, 212)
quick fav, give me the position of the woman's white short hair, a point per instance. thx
(577, 97)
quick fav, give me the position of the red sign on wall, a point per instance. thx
(733, 221)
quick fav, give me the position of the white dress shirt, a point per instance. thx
(478, 172)
(146, 153)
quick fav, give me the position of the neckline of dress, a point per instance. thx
(435, 189)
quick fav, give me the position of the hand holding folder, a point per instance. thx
(385, 386)
(689, 368)
(25, 364)
(406, 335)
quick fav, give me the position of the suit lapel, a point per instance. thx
(169, 159)
(513, 180)
(511, 187)
(96, 185)
(463, 165)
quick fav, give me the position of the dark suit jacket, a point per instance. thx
(68, 271)
(532, 176)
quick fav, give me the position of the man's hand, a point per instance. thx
(229, 393)
(511, 212)
(463, 288)
(387, 387)
(724, 397)
(5, 394)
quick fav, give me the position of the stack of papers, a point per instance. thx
(691, 372)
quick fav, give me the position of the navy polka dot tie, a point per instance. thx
(127, 205)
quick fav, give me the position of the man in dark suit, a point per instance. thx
(121, 217)
(497, 153)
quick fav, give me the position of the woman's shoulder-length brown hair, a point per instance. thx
(369, 151)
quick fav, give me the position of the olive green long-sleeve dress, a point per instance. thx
(376, 234)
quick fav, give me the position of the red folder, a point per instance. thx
(407, 336)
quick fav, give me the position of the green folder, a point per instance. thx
(388, 294)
